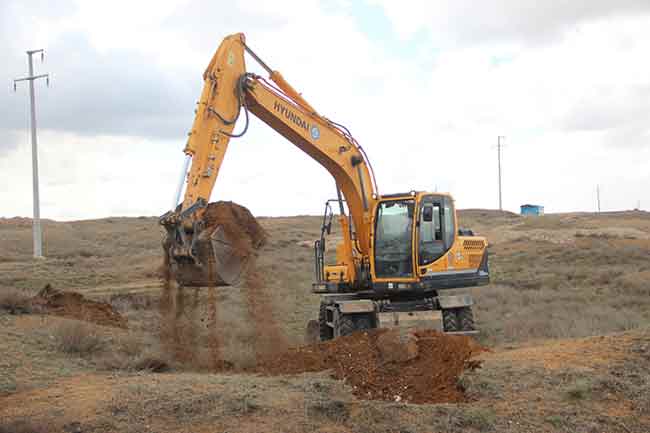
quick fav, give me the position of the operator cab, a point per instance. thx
(395, 233)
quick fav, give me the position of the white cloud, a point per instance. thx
(530, 21)
(567, 88)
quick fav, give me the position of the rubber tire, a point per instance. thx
(450, 321)
(466, 319)
(363, 321)
(325, 332)
(347, 325)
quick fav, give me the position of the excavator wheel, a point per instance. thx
(450, 320)
(346, 325)
(326, 332)
(466, 319)
(349, 323)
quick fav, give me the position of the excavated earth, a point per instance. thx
(239, 224)
(429, 376)
(75, 306)
(243, 233)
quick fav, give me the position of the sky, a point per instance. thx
(426, 87)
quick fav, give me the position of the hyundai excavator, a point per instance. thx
(400, 253)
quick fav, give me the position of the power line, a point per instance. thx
(38, 240)
(499, 162)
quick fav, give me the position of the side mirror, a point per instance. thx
(427, 214)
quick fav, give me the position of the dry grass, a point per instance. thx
(14, 301)
(80, 254)
(553, 277)
(25, 426)
(479, 418)
(590, 286)
(78, 338)
(543, 270)
(125, 302)
(132, 352)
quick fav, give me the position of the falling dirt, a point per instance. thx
(429, 377)
(190, 331)
(176, 332)
(269, 338)
(75, 306)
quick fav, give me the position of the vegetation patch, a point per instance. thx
(14, 301)
(78, 338)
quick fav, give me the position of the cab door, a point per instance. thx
(393, 240)
(436, 229)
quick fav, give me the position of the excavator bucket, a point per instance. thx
(216, 262)
(218, 253)
(228, 264)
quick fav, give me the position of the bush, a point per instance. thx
(126, 301)
(479, 418)
(150, 361)
(14, 302)
(78, 337)
(130, 352)
(23, 426)
(579, 390)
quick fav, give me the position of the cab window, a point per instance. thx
(435, 228)
(394, 239)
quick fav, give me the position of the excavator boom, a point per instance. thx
(229, 92)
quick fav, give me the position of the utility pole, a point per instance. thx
(598, 197)
(499, 161)
(38, 240)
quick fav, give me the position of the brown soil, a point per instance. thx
(76, 306)
(242, 233)
(430, 377)
(238, 222)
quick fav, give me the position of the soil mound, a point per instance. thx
(75, 306)
(429, 377)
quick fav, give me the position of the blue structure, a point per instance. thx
(532, 209)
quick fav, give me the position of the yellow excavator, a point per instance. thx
(400, 253)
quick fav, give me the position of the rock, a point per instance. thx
(397, 345)
(312, 333)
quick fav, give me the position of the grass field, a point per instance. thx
(567, 318)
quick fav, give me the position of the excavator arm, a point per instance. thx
(230, 92)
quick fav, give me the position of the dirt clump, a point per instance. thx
(236, 232)
(238, 222)
(75, 306)
(429, 377)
